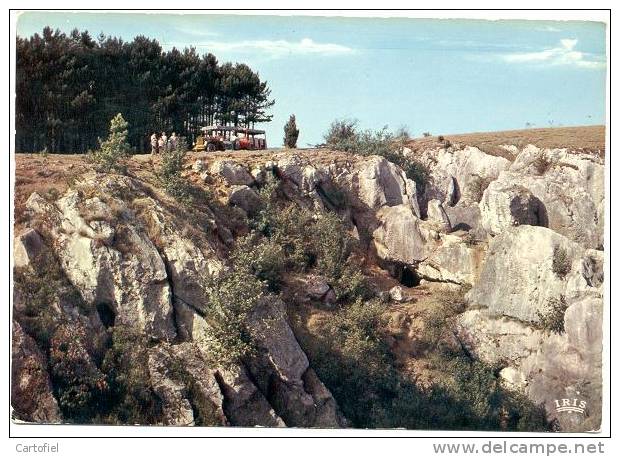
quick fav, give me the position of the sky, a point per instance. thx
(439, 76)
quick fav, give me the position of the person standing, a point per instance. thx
(173, 141)
(154, 144)
(164, 139)
(161, 145)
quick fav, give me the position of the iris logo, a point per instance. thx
(570, 405)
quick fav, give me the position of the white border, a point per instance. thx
(31, 430)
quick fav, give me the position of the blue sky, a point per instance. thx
(441, 76)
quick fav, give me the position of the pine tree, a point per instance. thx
(291, 133)
(115, 149)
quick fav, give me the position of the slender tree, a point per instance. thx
(291, 133)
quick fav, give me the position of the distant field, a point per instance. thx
(590, 139)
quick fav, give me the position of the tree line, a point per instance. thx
(68, 87)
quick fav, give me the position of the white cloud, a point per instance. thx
(564, 54)
(278, 48)
(549, 28)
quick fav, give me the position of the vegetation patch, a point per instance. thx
(561, 263)
(343, 135)
(551, 318)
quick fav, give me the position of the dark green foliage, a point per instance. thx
(291, 133)
(69, 86)
(561, 263)
(78, 385)
(40, 291)
(131, 399)
(260, 256)
(552, 317)
(342, 135)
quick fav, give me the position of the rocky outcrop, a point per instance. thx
(32, 398)
(437, 215)
(108, 259)
(518, 277)
(458, 173)
(505, 206)
(27, 246)
(182, 379)
(569, 188)
(245, 405)
(545, 366)
(526, 270)
(232, 172)
(380, 183)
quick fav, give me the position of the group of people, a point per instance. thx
(163, 143)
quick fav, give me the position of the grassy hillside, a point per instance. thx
(589, 139)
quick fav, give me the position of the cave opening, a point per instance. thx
(106, 314)
(408, 277)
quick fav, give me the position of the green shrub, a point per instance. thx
(40, 290)
(551, 318)
(131, 399)
(342, 135)
(291, 133)
(170, 173)
(561, 263)
(78, 385)
(115, 149)
(449, 303)
(261, 257)
(231, 296)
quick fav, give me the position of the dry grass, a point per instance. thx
(588, 139)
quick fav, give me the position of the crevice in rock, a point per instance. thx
(106, 313)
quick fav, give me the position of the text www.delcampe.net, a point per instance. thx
(506, 447)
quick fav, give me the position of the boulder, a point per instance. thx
(381, 183)
(244, 404)
(318, 289)
(399, 237)
(397, 294)
(464, 216)
(169, 387)
(507, 205)
(453, 260)
(280, 371)
(455, 172)
(199, 166)
(245, 198)
(571, 188)
(232, 172)
(27, 246)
